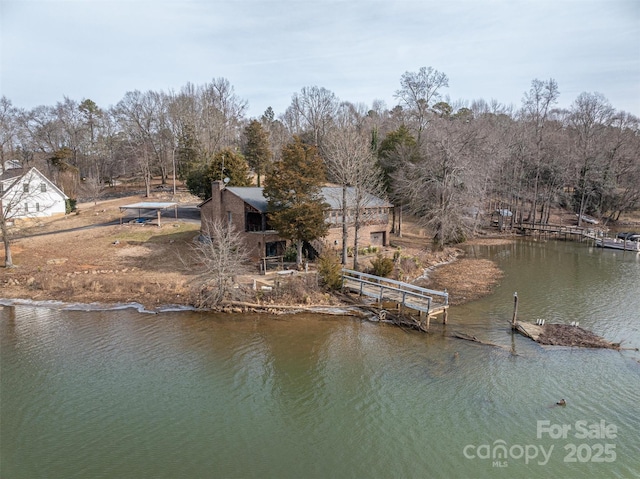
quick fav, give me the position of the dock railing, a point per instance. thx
(590, 232)
(384, 289)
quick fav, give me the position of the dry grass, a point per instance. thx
(466, 279)
(154, 266)
(108, 264)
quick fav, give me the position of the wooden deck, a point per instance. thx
(405, 295)
(617, 243)
(567, 232)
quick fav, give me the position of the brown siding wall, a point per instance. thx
(255, 241)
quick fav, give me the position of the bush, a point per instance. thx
(407, 267)
(291, 254)
(330, 270)
(368, 250)
(70, 205)
(382, 266)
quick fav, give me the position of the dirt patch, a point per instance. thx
(132, 252)
(498, 241)
(87, 258)
(465, 280)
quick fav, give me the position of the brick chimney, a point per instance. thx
(216, 200)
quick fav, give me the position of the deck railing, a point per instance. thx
(385, 289)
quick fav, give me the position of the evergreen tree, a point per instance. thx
(187, 152)
(293, 192)
(398, 147)
(224, 164)
(256, 149)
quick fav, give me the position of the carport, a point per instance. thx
(147, 206)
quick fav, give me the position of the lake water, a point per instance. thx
(123, 394)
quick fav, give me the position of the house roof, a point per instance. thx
(148, 205)
(333, 196)
(504, 212)
(14, 175)
(254, 196)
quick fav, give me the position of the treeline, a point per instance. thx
(445, 162)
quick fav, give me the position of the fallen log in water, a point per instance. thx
(473, 339)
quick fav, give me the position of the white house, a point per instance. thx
(9, 165)
(29, 194)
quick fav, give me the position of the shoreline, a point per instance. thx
(87, 260)
(451, 274)
(229, 308)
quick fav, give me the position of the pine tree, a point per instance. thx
(256, 150)
(294, 195)
(224, 164)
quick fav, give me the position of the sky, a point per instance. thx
(358, 49)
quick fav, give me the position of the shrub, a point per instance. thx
(382, 266)
(407, 267)
(330, 270)
(70, 205)
(291, 254)
(368, 250)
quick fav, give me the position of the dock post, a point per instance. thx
(515, 309)
(444, 315)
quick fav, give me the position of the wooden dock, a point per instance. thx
(560, 231)
(617, 243)
(407, 297)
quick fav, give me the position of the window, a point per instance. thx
(229, 217)
(25, 188)
(26, 207)
(253, 222)
(43, 187)
(37, 206)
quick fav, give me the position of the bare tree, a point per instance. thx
(139, 115)
(223, 255)
(8, 126)
(536, 107)
(591, 114)
(351, 164)
(419, 91)
(312, 111)
(436, 187)
(92, 187)
(43, 130)
(222, 112)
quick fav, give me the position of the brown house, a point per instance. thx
(246, 209)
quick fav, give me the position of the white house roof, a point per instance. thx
(12, 176)
(148, 205)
